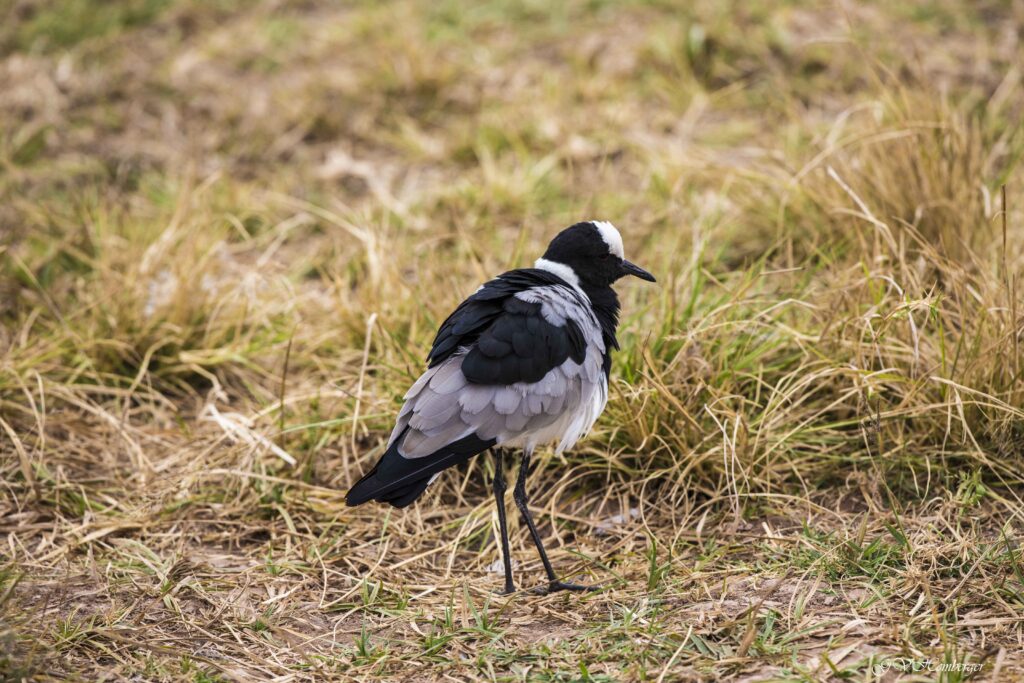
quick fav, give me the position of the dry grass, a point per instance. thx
(230, 229)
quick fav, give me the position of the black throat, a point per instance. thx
(605, 303)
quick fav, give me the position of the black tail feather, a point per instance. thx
(399, 481)
(406, 496)
(364, 490)
(371, 487)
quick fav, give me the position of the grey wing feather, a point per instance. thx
(448, 379)
(474, 399)
(507, 399)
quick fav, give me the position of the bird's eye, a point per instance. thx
(604, 257)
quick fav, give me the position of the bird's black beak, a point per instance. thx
(633, 269)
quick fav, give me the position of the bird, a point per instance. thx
(521, 363)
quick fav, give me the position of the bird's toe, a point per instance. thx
(556, 586)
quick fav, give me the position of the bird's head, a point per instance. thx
(592, 253)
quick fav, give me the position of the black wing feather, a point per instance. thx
(508, 339)
(476, 313)
(508, 352)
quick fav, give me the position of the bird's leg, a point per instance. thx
(522, 502)
(499, 498)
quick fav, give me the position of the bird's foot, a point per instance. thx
(509, 589)
(556, 586)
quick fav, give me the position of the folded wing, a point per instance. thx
(510, 369)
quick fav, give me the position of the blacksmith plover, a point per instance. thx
(523, 362)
